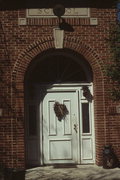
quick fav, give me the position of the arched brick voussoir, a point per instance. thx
(85, 50)
(26, 56)
(39, 46)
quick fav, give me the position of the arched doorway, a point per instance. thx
(65, 77)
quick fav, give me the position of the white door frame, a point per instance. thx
(70, 87)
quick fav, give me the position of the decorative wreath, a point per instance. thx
(60, 110)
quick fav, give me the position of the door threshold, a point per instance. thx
(65, 165)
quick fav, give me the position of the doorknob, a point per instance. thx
(76, 128)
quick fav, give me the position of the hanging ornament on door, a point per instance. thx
(60, 110)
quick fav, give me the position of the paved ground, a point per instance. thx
(80, 172)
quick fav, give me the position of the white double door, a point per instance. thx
(70, 139)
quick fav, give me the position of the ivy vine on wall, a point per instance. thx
(113, 70)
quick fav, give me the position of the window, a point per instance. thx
(85, 118)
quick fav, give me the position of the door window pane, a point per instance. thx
(32, 120)
(85, 118)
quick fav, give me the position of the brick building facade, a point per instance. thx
(24, 42)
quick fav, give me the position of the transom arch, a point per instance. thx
(27, 56)
(59, 66)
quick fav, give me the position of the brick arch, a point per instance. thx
(84, 49)
(26, 56)
(37, 47)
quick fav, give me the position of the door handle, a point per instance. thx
(76, 128)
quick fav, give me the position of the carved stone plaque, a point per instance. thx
(69, 12)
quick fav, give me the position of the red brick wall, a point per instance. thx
(20, 44)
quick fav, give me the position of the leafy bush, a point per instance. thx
(113, 70)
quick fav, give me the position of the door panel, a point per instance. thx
(67, 122)
(60, 140)
(87, 150)
(60, 149)
(52, 122)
